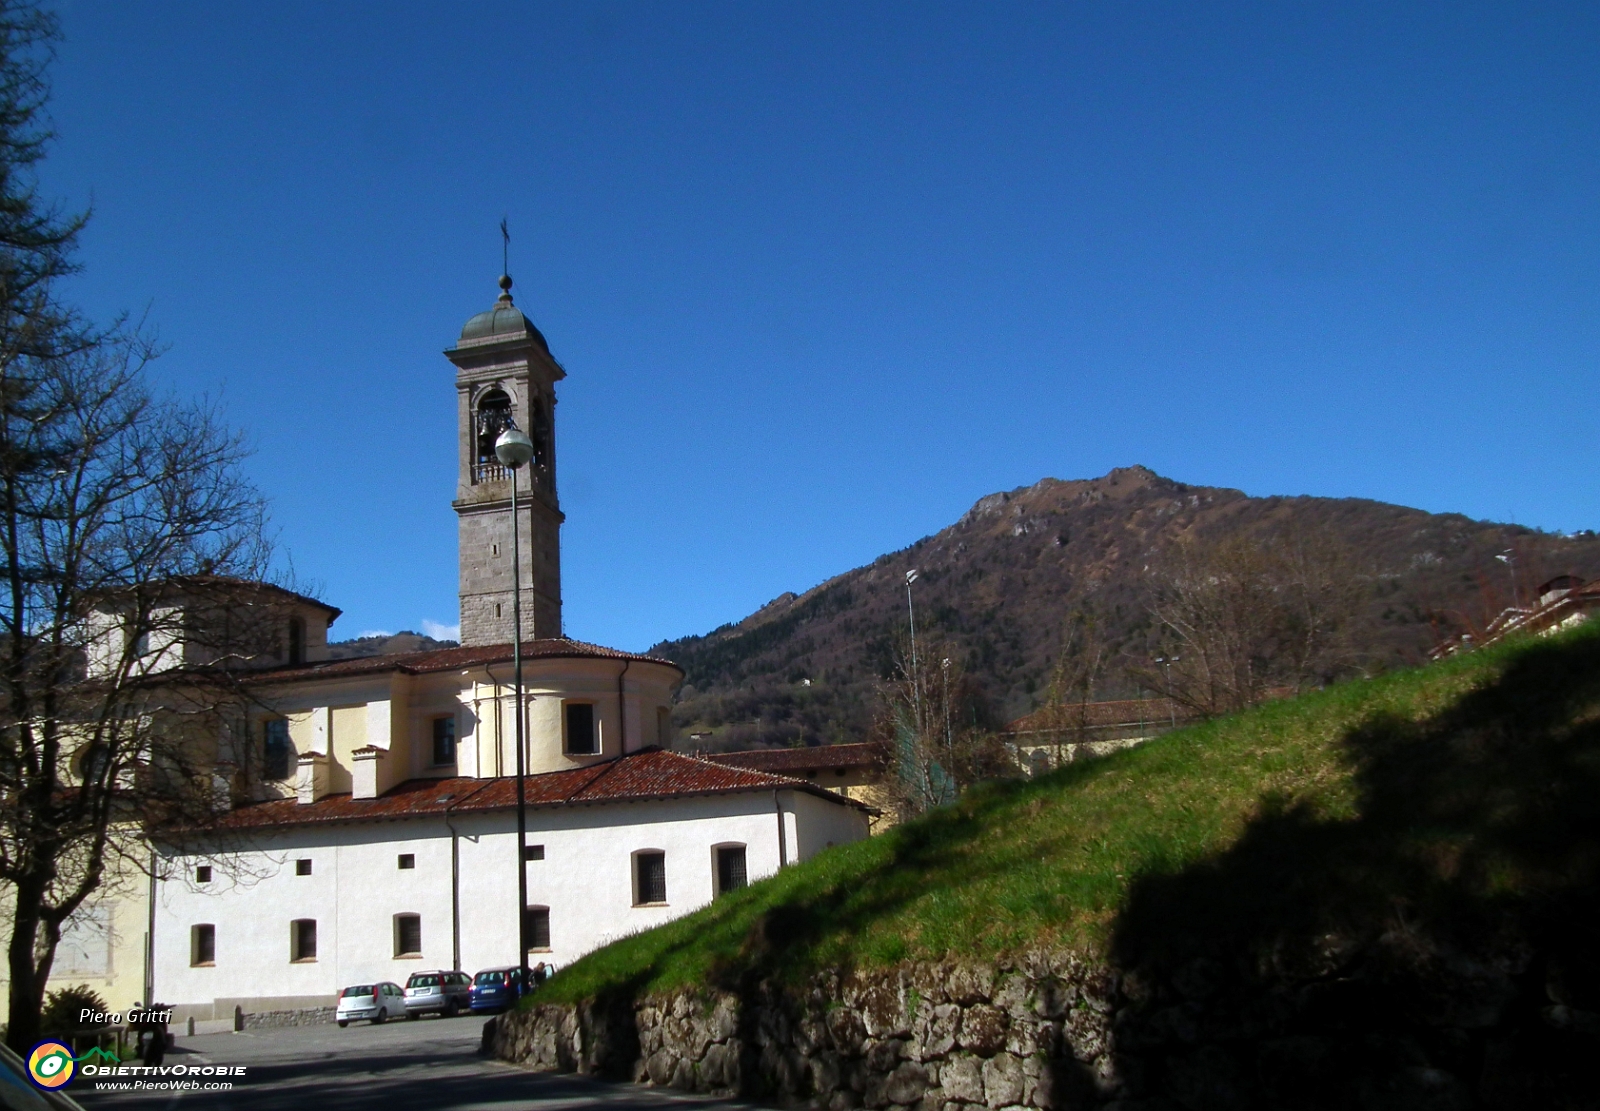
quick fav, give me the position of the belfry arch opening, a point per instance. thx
(492, 414)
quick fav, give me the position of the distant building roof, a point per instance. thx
(648, 774)
(1101, 715)
(813, 758)
(451, 659)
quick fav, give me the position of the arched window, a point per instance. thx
(731, 871)
(494, 411)
(408, 935)
(539, 432)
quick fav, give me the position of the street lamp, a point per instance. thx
(513, 449)
(1166, 663)
(916, 678)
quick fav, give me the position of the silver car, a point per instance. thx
(438, 992)
(377, 1002)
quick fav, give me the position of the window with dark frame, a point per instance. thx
(408, 860)
(731, 874)
(297, 640)
(538, 927)
(650, 871)
(533, 852)
(202, 874)
(580, 729)
(444, 740)
(408, 935)
(303, 939)
(203, 944)
(302, 867)
(277, 751)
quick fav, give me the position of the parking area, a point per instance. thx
(432, 1063)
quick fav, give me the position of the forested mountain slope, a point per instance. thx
(999, 586)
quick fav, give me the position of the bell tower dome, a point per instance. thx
(504, 371)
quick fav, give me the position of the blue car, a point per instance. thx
(496, 989)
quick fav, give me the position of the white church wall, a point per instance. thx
(356, 888)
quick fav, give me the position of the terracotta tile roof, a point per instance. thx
(815, 758)
(451, 659)
(1131, 711)
(651, 773)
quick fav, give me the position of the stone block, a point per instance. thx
(970, 984)
(907, 1083)
(961, 1077)
(983, 1029)
(1002, 1080)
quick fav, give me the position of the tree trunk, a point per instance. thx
(28, 975)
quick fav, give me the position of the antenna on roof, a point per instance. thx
(505, 247)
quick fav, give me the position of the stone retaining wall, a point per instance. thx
(1365, 1026)
(938, 1037)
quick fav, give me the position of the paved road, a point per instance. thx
(427, 1065)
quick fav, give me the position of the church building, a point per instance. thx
(372, 831)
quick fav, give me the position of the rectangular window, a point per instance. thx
(302, 867)
(650, 871)
(202, 874)
(538, 927)
(533, 852)
(202, 945)
(408, 935)
(580, 729)
(408, 860)
(731, 873)
(277, 754)
(663, 726)
(303, 939)
(444, 741)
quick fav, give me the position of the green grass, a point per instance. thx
(1456, 787)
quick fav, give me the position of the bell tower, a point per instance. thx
(504, 371)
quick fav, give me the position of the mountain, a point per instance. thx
(1000, 585)
(385, 644)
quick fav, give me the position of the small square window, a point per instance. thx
(408, 860)
(202, 945)
(302, 867)
(202, 874)
(533, 852)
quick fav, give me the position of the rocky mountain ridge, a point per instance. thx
(999, 585)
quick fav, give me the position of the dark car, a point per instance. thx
(495, 989)
(438, 992)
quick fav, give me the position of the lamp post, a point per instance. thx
(513, 449)
(916, 680)
(1166, 663)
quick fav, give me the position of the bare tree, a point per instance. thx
(125, 526)
(1243, 615)
(114, 505)
(928, 716)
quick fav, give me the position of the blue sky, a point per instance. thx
(823, 275)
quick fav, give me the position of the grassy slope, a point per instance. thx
(1055, 860)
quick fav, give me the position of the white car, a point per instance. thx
(376, 1002)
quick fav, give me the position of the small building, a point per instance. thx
(855, 771)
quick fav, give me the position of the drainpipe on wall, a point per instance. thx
(783, 842)
(622, 709)
(455, 889)
(150, 940)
